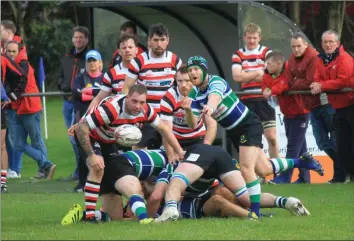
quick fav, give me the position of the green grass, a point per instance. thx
(33, 210)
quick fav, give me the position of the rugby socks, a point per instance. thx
(241, 191)
(282, 164)
(280, 202)
(92, 190)
(254, 191)
(99, 216)
(4, 178)
(138, 207)
(171, 203)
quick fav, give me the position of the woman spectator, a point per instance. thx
(86, 87)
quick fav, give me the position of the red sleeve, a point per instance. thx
(344, 73)
(303, 84)
(280, 86)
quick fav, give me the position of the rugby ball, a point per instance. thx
(127, 135)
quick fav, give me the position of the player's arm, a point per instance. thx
(191, 117)
(167, 134)
(169, 150)
(238, 74)
(98, 98)
(155, 199)
(106, 89)
(211, 129)
(82, 131)
(132, 75)
(216, 90)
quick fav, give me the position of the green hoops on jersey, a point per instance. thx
(230, 111)
(147, 163)
(200, 62)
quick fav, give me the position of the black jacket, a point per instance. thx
(71, 64)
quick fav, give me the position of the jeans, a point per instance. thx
(295, 130)
(69, 118)
(14, 156)
(30, 125)
(322, 126)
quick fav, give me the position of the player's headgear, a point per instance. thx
(200, 62)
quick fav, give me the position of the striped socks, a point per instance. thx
(280, 202)
(4, 178)
(138, 207)
(92, 190)
(282, 164)
(254, 191)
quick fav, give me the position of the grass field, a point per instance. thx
(33, 210)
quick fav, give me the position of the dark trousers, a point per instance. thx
(295, 129)
(322, 118)
(344, 128)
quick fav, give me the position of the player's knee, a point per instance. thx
(96, 173)
(272, 139)
(218, 200)
(156, 197)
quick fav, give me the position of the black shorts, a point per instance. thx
(248, 133)
(265, 112)
(151, 137)
(3, 119)
(214, 160)
(116, 167)
(189, 143)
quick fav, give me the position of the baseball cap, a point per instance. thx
(93, 54)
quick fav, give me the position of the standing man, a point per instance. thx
(334, 68)
(248, 69)
(155, 70)
(71, 64)
(127, 28)
(302, 67)
(8, 33)
(28, 117)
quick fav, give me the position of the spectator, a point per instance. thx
(302, 67)
(126, 28)
(4, 159)
(248, 69)
(71, 64)
(296, 118)
(113, 80)
(28, 117)
(86, 87)
(8, 33)
(334, 68)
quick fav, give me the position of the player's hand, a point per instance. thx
(267, 93)
(95, 162)
(208, 110)
(173, 159)
(186, 103)
(71, 130)
(181, 154)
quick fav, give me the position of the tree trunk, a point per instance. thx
(336, 17)
(295, 11)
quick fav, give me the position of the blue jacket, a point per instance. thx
(3, 94)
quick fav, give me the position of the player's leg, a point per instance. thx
(113, 208)
(185, 174)
(156, 197)
(129, 185)
(218, 206)
(4, 159)
(270, 134)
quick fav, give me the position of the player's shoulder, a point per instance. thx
(193, 92)
(217, 79)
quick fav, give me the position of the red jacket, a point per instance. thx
(290, 105)
(301, 73)
(336, 76)
(28, 105)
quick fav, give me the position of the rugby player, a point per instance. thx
(123, 176)
(154, 69)
(113, 79)
(213, 96)
(96, 135)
